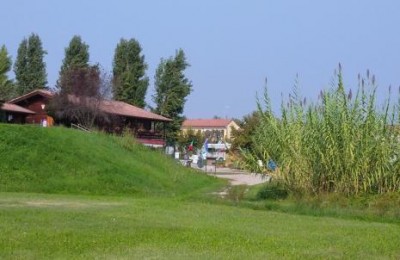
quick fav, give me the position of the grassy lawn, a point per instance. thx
(65, 194)
(77, 226)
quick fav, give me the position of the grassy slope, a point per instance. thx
(59, 160)
(78, 227)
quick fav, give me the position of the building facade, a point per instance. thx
(214, 129)
(36, 101)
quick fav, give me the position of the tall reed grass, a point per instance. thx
(340, 143)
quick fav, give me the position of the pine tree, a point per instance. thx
(6, 85)
(30, 68)
(172, 87)
(130, 82)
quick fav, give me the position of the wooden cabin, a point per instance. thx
(140, 121)
(36, 101)
(14, 114)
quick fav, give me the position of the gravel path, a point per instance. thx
(244, 179)
(237, 177)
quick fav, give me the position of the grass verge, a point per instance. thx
(376, 208)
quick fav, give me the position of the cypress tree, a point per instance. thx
(6, 85)
(21, 67)
(30, 68)
(172, 87)
(129, 80)
(75, 69)
(76, 55)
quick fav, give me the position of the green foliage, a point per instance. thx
(76, 75)
(242, 138)
(129, 68)
(58, 160)
(367, 207)
(6, 86)
(341, 144)
(21, 67)
(272, 191)
(75, 62)
(186, 138)
(29, 67)
(76, 55)
(172, 87)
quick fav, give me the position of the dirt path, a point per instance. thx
(244, 179)
(237, 177)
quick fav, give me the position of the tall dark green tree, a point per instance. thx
(130, 82)
(21, 66)
(6, 85)
(171, 90)
(75, 69)
(30, 68)
(76, 55)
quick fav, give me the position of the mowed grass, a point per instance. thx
(60, 160)
(66, 194)
(36, 226)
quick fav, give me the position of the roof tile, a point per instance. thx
(41, 92)
(206, 123)
(15, 108)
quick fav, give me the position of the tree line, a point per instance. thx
(129, 82)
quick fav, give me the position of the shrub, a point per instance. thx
(272, 191)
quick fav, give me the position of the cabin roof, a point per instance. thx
(15, 108)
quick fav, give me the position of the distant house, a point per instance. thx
(218, 133)
(219, 129)
(11, 113)
(140, 121)
(36, 101)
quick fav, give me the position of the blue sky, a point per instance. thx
(232, 45)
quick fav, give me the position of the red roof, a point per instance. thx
(107, 106)
(119, 108)
(125, 109)
(41, 92)
(206, 123)
(15, 108)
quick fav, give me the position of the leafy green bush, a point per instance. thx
(272, 191)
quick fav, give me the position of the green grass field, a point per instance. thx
(65, 194)
(63, 226)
